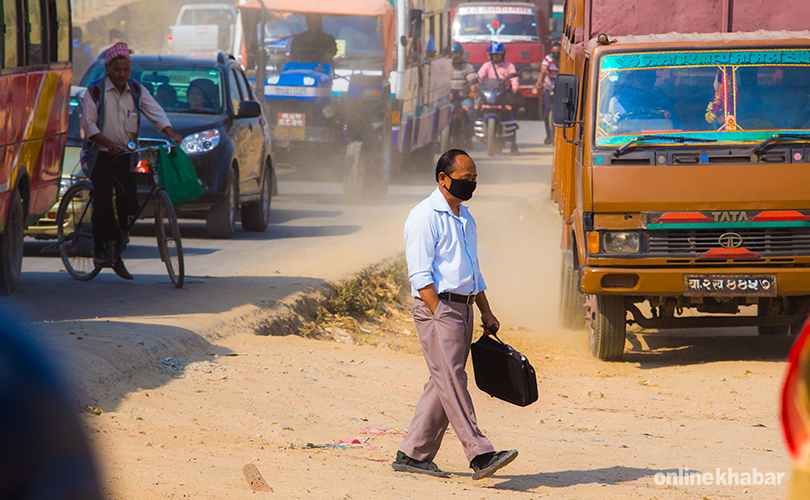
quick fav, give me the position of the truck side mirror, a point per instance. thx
(415, 23)
(566, 93)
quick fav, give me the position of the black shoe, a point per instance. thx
(486, 464)
(102, 259)
(121, 271)
(404, 463)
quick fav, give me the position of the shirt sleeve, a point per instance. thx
(152, 110)
(545, 63)
(472, 76)
(420, 249)
(89, 119)
(514, 80)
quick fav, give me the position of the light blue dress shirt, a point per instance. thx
(442, 248)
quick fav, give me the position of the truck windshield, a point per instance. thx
(733, 96)
(354, 35)
(178, 89)
(499, 23)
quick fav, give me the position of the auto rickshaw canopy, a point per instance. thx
(251, 17)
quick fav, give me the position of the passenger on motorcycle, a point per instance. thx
(463, 83)
(499, 68)
(548, 77)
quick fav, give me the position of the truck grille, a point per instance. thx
(693, 243)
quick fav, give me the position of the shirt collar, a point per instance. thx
(108, 85)
(439, 203)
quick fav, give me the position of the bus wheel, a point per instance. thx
(607, 326)
(572, 309)
(11, 246)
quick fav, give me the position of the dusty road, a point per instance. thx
(183, 427)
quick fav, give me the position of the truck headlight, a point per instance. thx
(201, 142)
(620, 241)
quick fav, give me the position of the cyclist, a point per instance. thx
(110, 119)
(499, 68)
(463, 83)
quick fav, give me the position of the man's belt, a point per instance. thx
(454, 297)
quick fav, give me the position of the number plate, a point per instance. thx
(294, 133)
(730, 285)
(291, 119)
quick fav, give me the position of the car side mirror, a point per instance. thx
(566, 93)
(249, 109)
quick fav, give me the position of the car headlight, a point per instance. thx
(201, 142)
(64, 184)
(620, 241)
(328, 111)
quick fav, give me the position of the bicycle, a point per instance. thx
(75, 227)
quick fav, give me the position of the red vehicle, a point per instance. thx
(521, 26)
(34, 95)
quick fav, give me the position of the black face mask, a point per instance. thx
(461, 188)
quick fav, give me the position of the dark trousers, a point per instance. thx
(112, 174)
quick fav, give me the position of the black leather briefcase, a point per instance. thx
(502, 372)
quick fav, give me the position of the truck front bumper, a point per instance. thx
(791, 281)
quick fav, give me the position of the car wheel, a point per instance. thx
(221, 218)
(11, 246)
(256, 214)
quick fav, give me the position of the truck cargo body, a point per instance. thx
(680, 177)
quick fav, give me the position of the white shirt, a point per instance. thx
(120, 114)
(442, 248)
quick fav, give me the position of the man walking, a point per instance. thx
(110, 120)
(441, 247)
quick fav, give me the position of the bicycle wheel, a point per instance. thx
(168, 238)
(74, 232)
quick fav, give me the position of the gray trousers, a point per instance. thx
(445, 337)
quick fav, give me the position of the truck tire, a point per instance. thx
(572, 301)
(492, 138)
(777, 330)
(11, 245)
(607, 327)
(256, 214)
(220, 220)
(354, 173)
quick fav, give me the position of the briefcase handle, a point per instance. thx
(492, 331)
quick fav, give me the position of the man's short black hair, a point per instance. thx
(556, 43)
(447, 161)
(115, 35)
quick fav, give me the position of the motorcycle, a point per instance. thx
(495, 122)
(460, 130)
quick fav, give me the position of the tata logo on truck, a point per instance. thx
(730, 240)
(730, 216)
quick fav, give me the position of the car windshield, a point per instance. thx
(498, 23)
(730, 96)
(178, 89)
(355, 36)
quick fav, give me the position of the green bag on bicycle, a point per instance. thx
(177, 176)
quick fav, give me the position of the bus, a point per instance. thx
(35, 77)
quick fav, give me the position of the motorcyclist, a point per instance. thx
(463, 84)
(499, 68)
(550, 68)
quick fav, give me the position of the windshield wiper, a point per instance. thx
(676, 138)
(776, 137)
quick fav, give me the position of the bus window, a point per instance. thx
(35, 53)
(58, 35)
(10, 34)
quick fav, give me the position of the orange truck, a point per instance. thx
(682, 166)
